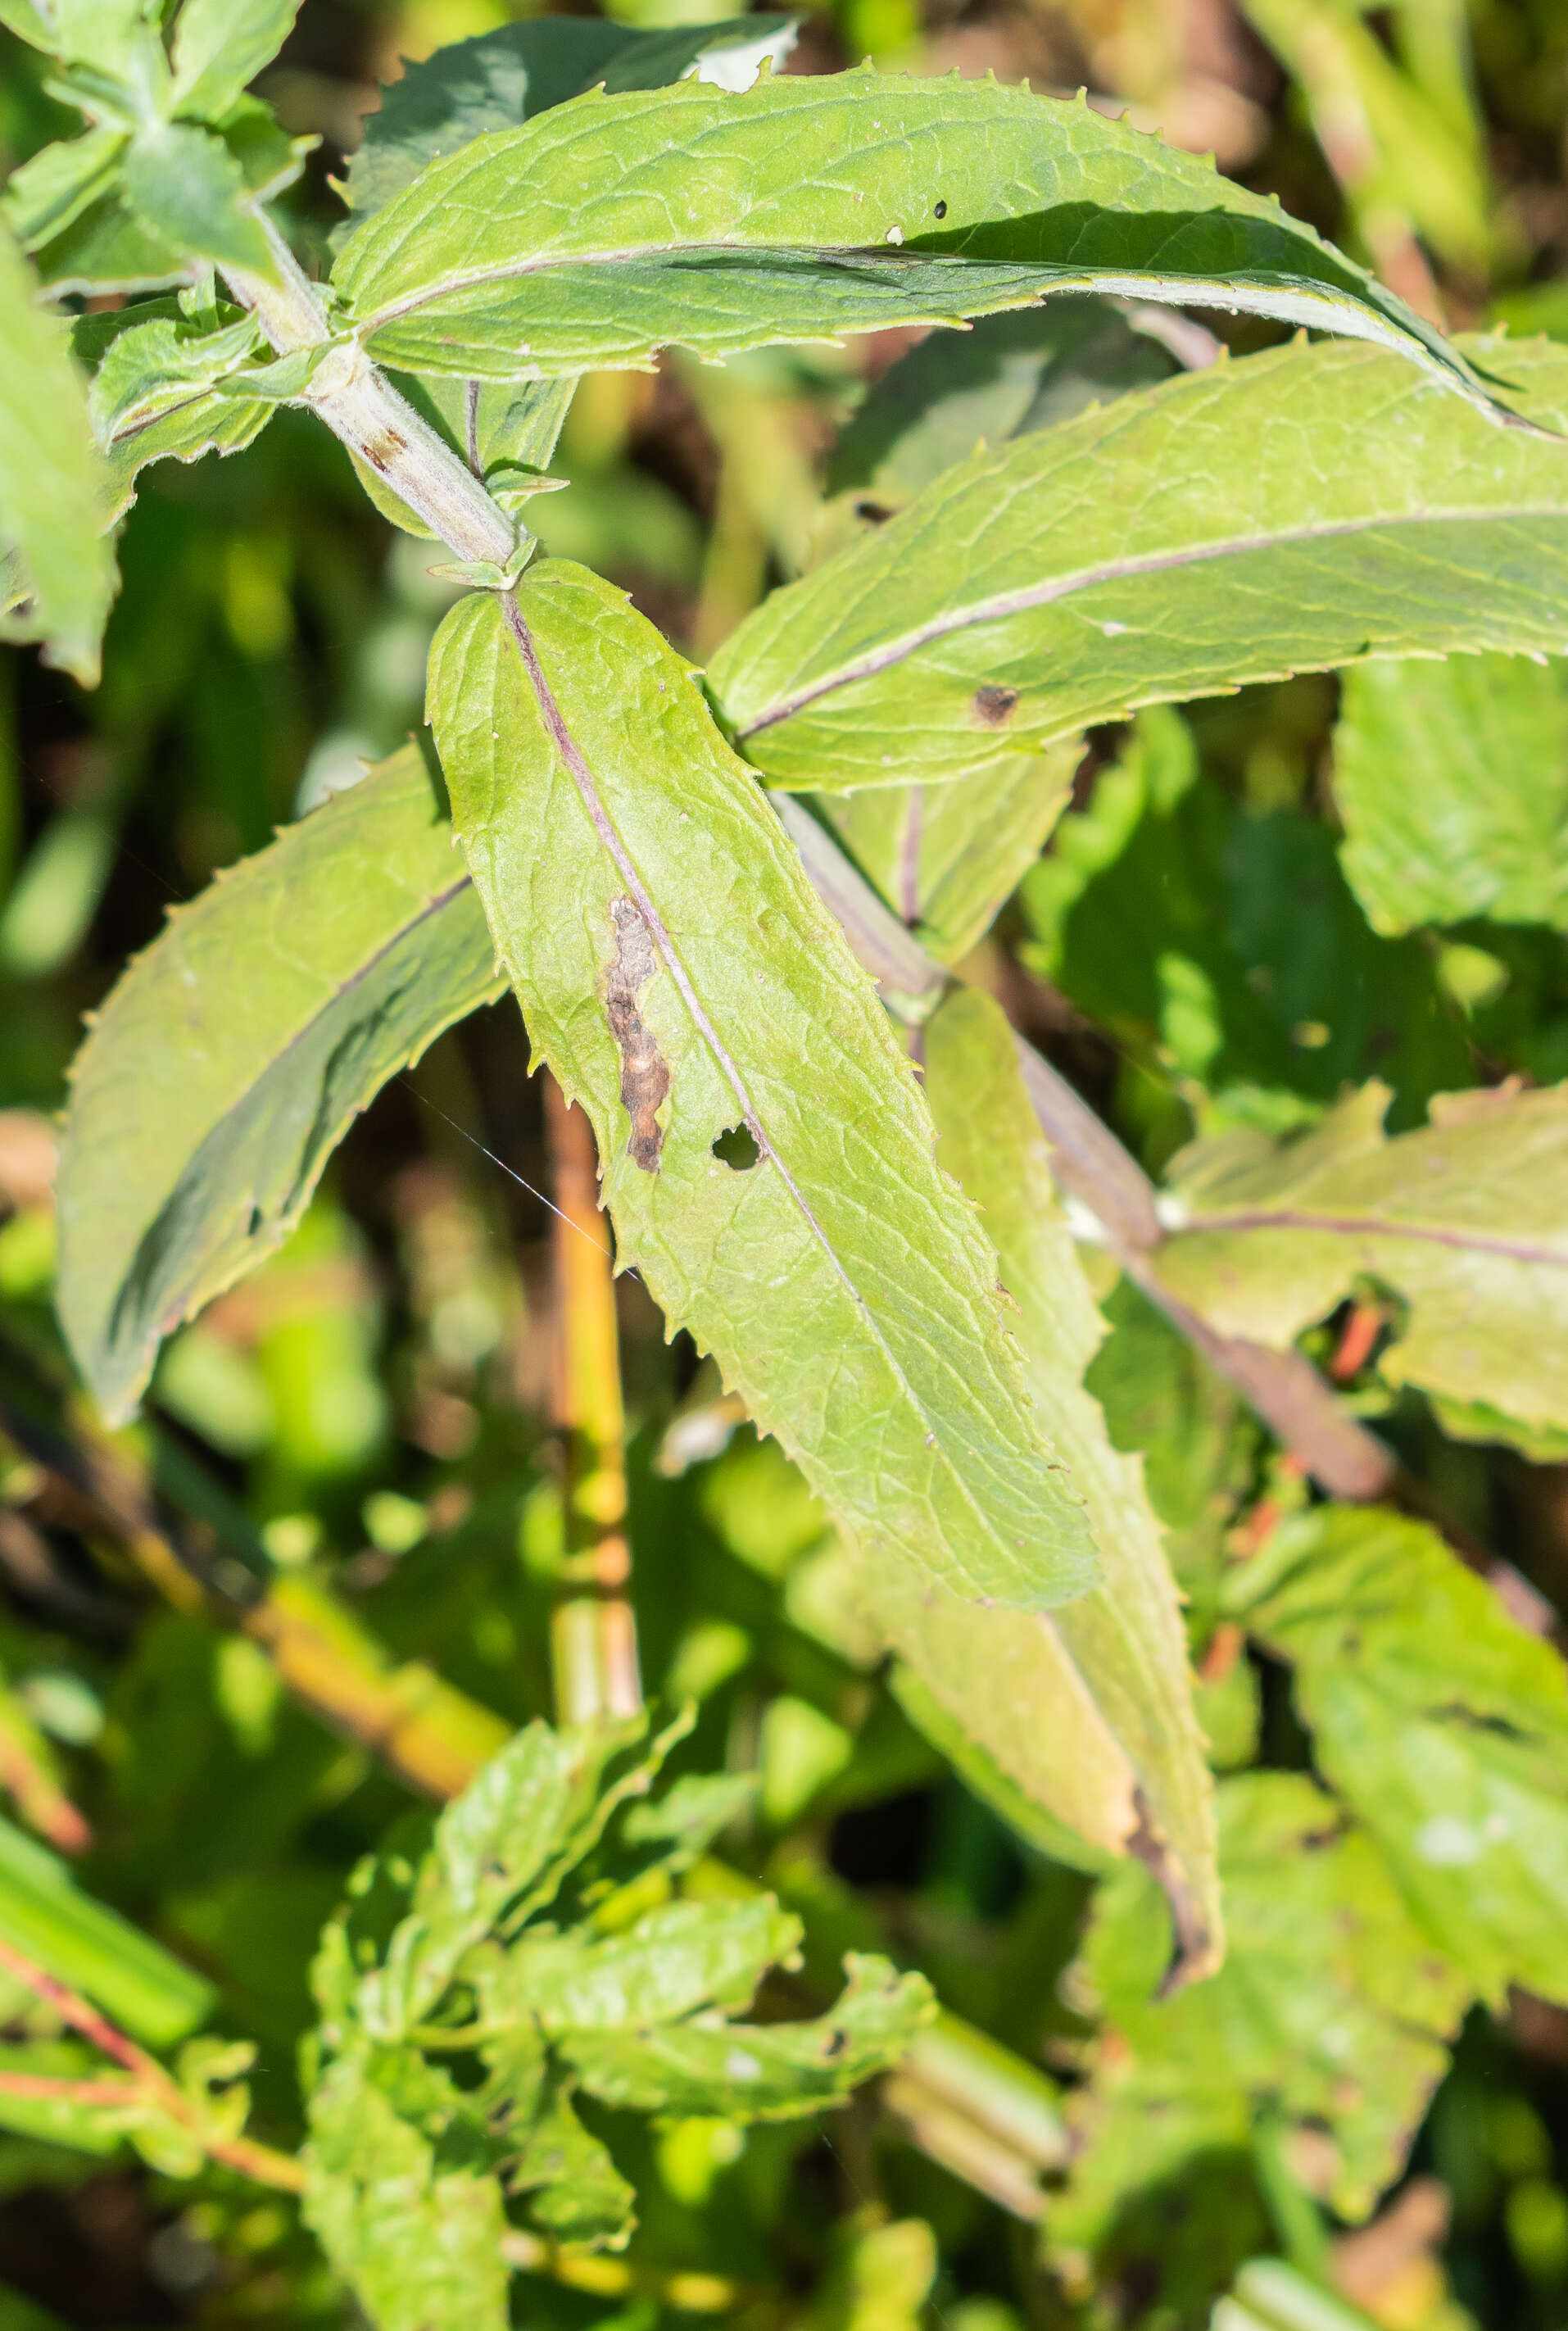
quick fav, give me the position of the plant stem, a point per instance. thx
(28, 1777)
(362, 408)
(594, 1627)
(148, 2083)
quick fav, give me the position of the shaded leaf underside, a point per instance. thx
(234, 1053)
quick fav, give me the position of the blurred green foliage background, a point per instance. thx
(370, 1411)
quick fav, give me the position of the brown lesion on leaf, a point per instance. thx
(994, 707)
(644, 1077)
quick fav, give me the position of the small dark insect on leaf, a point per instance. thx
(874, 513)
(644, 1077)
(941, 210)
(994, 705)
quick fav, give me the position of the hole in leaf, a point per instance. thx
(737, 1146)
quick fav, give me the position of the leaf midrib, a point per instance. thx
(908, 256)
(1379, 1226)
(1002, 605)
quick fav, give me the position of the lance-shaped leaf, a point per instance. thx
(235, 1052)
(498, 80)
(57, 572)
(673, 1962)
(765, 1151)
(1090, 1711)
(1282, 513)
(1441, 1722)
(610, 227)
(1464, 1220)
(1452, 780)
(107, 248)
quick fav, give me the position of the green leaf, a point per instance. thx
(619, 1990)
(107, 248)
(948, 858)
(106, 35)
(993, 1782)
(152, 367)
(610, 227)
(57, 574)
(1163, 1401)
(575, 2192)
(221, 45)
(498, 80)
(1463, 1220)
(1452, 781)
(298, 983)
(1331, 2010)
(1442, 1723)
(678, 971)
(1275, 514)
(758, 2072)
(531, 1812)
(672, 1963)
(183, 185)
(420, 2242)
(1090, 1711)
(49, 193)
(92, 1948)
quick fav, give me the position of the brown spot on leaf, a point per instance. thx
(644, 1077)
(995, 706)
(383, 449)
